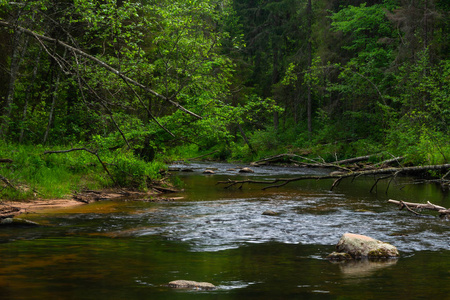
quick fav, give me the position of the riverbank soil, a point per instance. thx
(14, 208)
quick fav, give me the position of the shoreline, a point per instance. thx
(10, 208)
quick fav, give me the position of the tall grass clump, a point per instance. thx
(34, 174)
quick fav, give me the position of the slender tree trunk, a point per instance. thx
(29, 93)
(425, 25)
(275, 77)
(101, 63)
(14, 69)
(55, 95)
(52, 109)
(245, 138)
(309, 103)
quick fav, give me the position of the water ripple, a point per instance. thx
(226, 224)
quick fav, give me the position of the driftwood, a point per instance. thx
(354, 160)
(388, 162)
(391, 173)
(87, 150)
(414, 207)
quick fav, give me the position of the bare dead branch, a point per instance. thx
(99, 62)
(391, 171)
(420, 206)
(403, 204)
(313, 164)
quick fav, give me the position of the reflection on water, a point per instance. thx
(364, 268)
(130, 250)
(224, 224)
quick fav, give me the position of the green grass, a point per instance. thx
(38, 175)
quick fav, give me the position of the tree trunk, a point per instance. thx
(275, 77)
(14, 69)
(309, 104)
(28, 95)
(245, 138)
(42, 38)
(54, 98)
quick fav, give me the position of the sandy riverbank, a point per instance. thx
(13, 208)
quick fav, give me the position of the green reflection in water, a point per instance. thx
(82, 258)
(138, 268)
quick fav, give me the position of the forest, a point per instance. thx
(108, 92)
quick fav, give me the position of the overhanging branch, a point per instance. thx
(41, 38)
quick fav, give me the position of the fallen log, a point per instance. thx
(354, 159)
(290, 157)
(345, 164)
(414, 207)
(391, 171)
(388, 162)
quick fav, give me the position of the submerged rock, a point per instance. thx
(270, 213)
(189, 284)
(360, 246)
(17, 222)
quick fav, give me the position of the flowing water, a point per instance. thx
(131, 249)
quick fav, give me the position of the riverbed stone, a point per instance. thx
(246, 170)
(361, 246)
(270, 213)
(208, 172)
(18, 222)
(189, 284)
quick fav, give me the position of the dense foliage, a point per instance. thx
(243, 78)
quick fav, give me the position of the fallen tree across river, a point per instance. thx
(390, 173)
(345, 164)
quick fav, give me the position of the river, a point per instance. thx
(131, 249)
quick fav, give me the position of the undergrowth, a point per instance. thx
(34, 174)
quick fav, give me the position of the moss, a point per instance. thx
(379, 253)
(339, 256)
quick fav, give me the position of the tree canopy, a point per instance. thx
(244, 78)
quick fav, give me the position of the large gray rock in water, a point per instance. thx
(189, 284)
(360, 246)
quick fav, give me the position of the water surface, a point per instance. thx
(131, 249)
